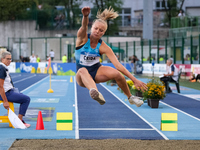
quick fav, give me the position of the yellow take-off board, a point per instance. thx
(169, 122)
(64, 121)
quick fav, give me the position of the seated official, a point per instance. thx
(170, 76)
(7, 91)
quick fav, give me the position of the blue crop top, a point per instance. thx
(87, 56)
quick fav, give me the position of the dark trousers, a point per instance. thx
(19, 98)
(166, 80)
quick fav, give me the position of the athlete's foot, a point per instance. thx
(135, 100)
(96, 95)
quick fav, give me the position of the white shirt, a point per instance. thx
(7, 81)
(51, 53)
(33, 59)
(180, 15)
(169, 71)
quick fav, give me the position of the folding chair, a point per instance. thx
(177, 82)
(4, 119)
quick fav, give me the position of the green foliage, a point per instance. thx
(172, 9)
(43, 18)
(103, 4)
(16, 9)
(71, 10)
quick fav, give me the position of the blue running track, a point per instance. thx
(113, 120)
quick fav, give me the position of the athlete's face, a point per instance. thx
(98, 29)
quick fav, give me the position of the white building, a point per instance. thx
(134, 9)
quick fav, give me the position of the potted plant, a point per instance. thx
(154, 93)
(133, 89)
(137, 92)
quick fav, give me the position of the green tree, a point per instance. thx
(72, 10)
(172, 9)
(101, 5)
(15, 9)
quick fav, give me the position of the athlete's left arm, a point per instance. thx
(105, 49)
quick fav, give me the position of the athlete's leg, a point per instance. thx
(84, 79)
(106, 73)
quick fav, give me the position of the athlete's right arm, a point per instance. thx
(82, 32)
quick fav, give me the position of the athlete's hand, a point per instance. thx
(6, 105)
(85, 11)
(140, 85)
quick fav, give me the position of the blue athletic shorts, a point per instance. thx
(91, 69)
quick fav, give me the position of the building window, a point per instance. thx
(161, 4)
(125, 15)
(157, 4)
(127, 10)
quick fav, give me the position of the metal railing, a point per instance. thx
(179, 22)
(184, 32)
(183, 50)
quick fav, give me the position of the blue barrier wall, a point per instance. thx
(63, 68)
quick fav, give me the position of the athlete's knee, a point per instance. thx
(82, 71)
(118, 76)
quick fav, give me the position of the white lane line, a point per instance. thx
(136, 113)
(195, 97)
(34, 84)
(15, 76)
(76, 111)
(118, 129)
(24, 79)
(181, 111)
(59, 80)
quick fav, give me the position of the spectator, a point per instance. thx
(47, 58)
(187, 57)
(161, 58)
(197, 57)
(181, 14)
(129, 20)
(134, 59)
(144, 59)
(172, 75)
(52, 54)
(148, 59)
(195, 78)
(21, 58)
(171, 57)
(37, 59)
(32, 58)
(64, 59)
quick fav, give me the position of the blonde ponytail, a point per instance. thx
(106, 15)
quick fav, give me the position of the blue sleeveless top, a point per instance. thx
(87, 56)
